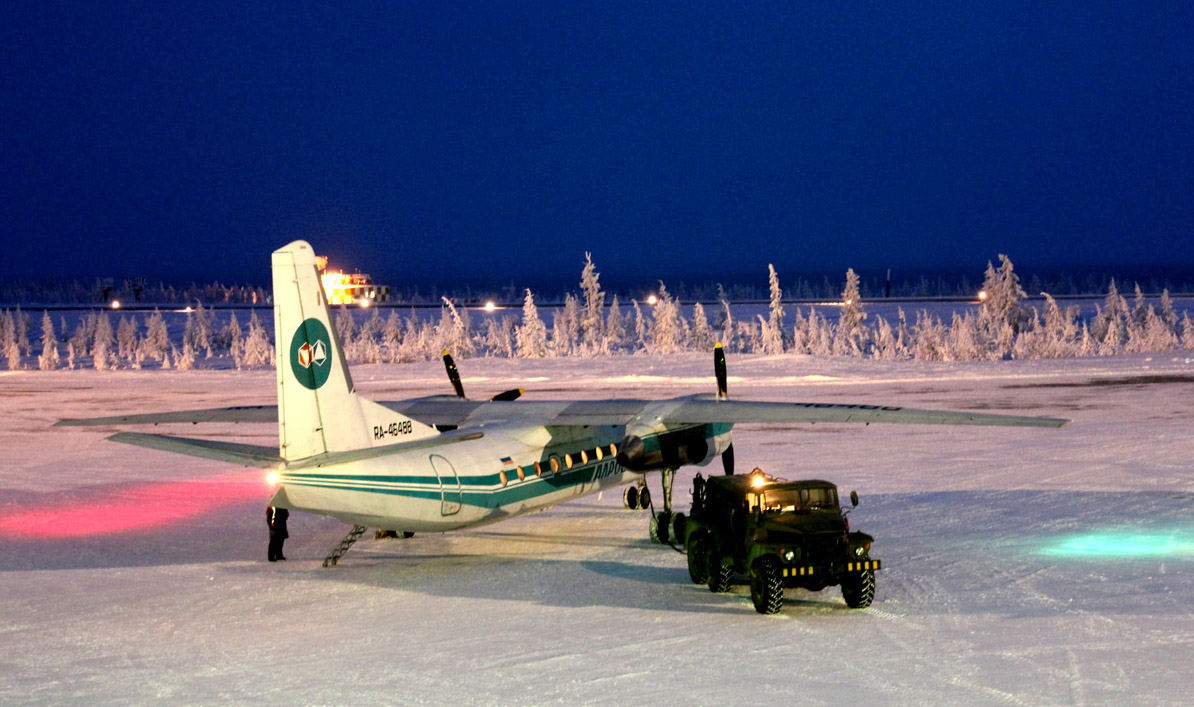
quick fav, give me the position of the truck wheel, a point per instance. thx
(719, 573)
(630, 497)
(766, 586)
(858, 589)
(698, 561)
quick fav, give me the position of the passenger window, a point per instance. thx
(538, 469)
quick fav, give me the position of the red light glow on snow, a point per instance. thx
(136, 508)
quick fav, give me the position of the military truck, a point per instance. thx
(779, 534)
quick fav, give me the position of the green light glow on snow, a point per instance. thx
(1124, 545)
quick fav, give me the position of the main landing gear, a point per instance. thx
(666, 527)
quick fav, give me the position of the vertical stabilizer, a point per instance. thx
(318, 409)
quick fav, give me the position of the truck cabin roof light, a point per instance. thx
(757, 479)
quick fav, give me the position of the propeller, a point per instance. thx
(719, 370)
(453, 374)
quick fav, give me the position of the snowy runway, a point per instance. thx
(1022, 566)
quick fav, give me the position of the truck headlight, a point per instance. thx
(789, 556)
(858, 551)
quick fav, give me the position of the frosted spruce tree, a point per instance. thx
(667, 332)
(592, 334)
(1001, 313)
(8, 341)
(615, 327)
(49, 359)
(232, 335)
(157, 337)
(565, 327)
(258, 350)
(346, 326)
(701, 337)
(454, 332)
(20, 322)
(532, 335)
(850, 339)
(127, 339)
(773, 327)
(1109, 326)
(640, 328)
(105, 343)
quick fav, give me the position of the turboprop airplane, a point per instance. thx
(443, 463)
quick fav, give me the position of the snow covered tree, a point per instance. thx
(105, 342)
(346, 326)
(126, 339)
(185, 360)
(20, 322)
(391, 337)
(1187, 331)
(498, 339)
(232, 335)
(962, 340)
(667, 333)
(565, 327)
(850, 337)
(531, 337)
(727, 320)
(1110, 318)
(593, 339)
(454, 334)
(701, 337)
(49, 359)
(8, 341)
(1168, 315)
(640, 328)
(615, 327)
(157, 338)
(1003, 302)
(84, 337)
(773, 328)
(258, 351)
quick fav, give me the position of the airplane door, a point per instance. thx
(449, 485)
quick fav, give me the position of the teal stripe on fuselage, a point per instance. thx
(492, 497)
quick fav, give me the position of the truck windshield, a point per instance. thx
(808, 499)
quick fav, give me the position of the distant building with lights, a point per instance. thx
(357, 288)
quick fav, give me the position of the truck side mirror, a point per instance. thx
(854, 499)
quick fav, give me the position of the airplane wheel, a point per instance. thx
(679, 528)
(630, 497)
(644, 498)
(660, 524)
(698, 562)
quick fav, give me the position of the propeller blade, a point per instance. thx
(727, 460)
(453, 374)
(509, 395)
(719, 370)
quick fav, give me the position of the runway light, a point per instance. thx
(982, 295)
(115, 304)
(364, 303)
(1123, 545)
(490, 306)
(652, 300)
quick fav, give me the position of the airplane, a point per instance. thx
(445, 462)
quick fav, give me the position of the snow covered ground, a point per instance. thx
(1022, 566)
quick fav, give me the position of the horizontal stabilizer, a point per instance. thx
(242, 413)
(243, 454)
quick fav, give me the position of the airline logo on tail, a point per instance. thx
(309, 354)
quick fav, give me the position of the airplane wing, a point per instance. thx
(458, 412)
(698, 411)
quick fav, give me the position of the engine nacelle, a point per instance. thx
(669, 450)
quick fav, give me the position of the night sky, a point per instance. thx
(449, 141)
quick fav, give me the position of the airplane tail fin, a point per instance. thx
(319, 411)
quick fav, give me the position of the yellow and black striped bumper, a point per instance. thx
(862, 566)
(797, 571)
